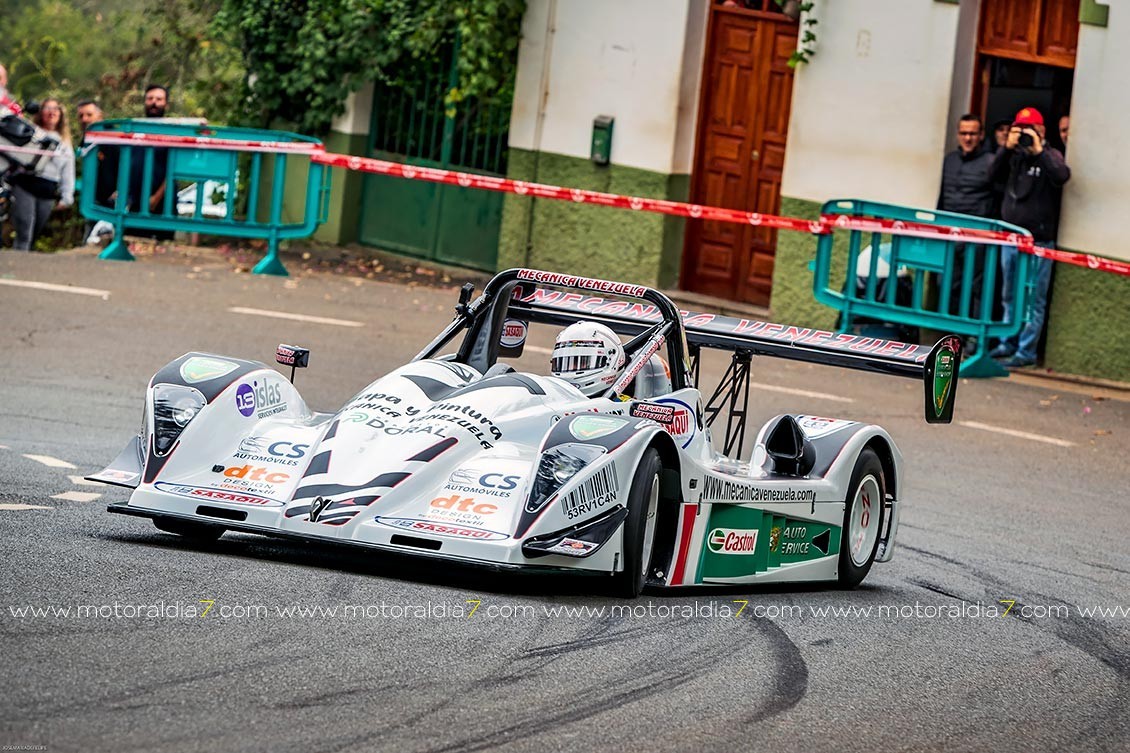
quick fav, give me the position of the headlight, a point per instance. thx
(557, 466)
(174, 406)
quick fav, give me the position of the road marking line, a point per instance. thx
(4, 447)
(1015, 433)
(539, 349)
(24, 507)
(103, 294)
(80, 481)
(296, 317)
(76, 496)
(50, 462)
(800, 393)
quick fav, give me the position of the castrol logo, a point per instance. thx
(732, 541)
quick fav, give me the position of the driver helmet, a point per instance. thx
(588, 356)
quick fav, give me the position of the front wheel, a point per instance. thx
(200, 532)
(639, 526)
(863, 519)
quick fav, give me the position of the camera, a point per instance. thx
(1025, 141)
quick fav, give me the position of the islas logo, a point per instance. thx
(731, 541)
(261, 395)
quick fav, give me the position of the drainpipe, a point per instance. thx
(539, 125)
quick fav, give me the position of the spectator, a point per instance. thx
(1000, 135)
(156, 105)
(1064, 126)
(88, 113)
(6, 100)
(106, 183)
(967, 189)
(51, 186)
(1034, 174)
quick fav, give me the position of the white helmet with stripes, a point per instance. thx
(589, 356)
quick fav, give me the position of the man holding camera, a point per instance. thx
(1033, 174)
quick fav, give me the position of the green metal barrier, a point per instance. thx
(211, 171)
(916, 259)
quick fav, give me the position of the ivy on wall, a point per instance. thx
(304, 57)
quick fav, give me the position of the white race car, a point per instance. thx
(458, 456)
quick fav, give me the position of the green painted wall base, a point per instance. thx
(1087, 324)
(595, 241)
(344, 214)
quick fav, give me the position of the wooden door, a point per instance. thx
(743, 124)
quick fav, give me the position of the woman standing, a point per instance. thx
(52, 186)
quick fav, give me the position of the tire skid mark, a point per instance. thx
(790, 683)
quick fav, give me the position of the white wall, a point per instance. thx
(583, 58)
(965, 55)
(870, 109)
(358, 111)
(1095, 200)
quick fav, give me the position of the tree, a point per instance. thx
(304, 57)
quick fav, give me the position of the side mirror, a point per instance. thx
(292, 356)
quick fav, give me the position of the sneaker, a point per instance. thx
(1002, 351)
(1018, 362)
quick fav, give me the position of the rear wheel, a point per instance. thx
(189, 529)
(639, 527)
(863, 519)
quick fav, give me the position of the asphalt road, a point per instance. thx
(1037, 518)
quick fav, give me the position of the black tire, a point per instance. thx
(629, 582)
(867, 468)
(201, 532)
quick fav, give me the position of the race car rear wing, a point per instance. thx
(551, 298)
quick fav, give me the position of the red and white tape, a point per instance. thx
(202, 142)
(826, 224)
(576, 195)
(25, 150)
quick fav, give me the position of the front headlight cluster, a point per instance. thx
(174, 405)
(557, 466)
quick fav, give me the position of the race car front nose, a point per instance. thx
(580, 540)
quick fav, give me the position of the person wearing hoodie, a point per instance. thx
(35, 195)
(1034, 173)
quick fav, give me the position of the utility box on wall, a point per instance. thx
(602, 139)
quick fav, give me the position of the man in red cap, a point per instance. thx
(1033, 174)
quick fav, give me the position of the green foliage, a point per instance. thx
(305, 57)
(109, 50)
(807, 38)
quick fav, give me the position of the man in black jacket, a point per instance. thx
(1034, 174)
(968, 189)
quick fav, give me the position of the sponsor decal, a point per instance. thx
(661, 414)
(462, 416)
(204, 493)
(724, 490)
(944, 374)
(463, 504)
(430, 527)
(262, 397)
(592, 494)
(594, 427)
(252, 473)
(818, 426)
(585, 283)
(513, 333)
(264, 450)
(200, 369)
(774, 538)
(114, 474)
(640, 358)
(489, 484)
(683, 425)
(730, 541)
(572, 547)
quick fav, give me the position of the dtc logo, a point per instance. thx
(253, 473)
(266, 397)
(464, 504)
(730, 541)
